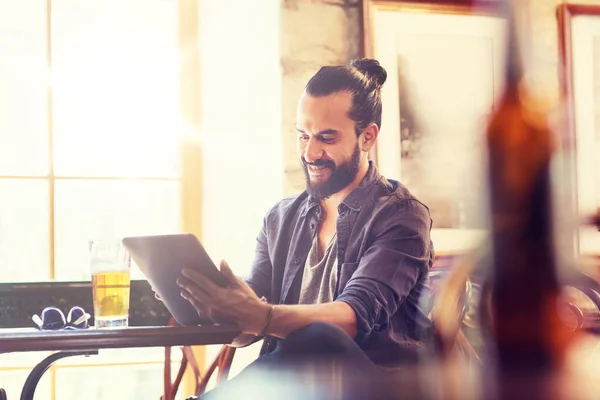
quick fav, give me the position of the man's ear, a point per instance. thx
(368, 137)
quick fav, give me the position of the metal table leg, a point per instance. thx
(36, 374)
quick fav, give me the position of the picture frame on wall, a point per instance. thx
(579, 62)
(445, 64)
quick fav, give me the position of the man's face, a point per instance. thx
(327, 143)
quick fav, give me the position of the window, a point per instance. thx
(88, 135)
(89, 149)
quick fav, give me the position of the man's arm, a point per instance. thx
(239, 304)
(391, 267)
(288, 318)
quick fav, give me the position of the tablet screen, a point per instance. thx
(161, 259)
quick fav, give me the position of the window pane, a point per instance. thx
(21, 359)
(115, 88)
(23, 97)
(101, 209)
(12, 381)
(24, 230)
(123, 356)
(111, 382)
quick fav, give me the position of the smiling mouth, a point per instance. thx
(317, 172)
(316, 169)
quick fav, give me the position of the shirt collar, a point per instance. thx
(358, 196)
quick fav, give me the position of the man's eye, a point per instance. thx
(303, 138)
(327, 140)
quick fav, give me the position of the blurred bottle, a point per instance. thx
(527, 333)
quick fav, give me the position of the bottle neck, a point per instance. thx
(514, 65)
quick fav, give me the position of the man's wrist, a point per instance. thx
(262, 319)
(267, 323)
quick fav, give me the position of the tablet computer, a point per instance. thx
(161, 259)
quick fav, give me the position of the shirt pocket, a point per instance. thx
(346, 272)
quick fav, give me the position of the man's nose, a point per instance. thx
(313, 150)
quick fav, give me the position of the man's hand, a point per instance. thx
(236, 303)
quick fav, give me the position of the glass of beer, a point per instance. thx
(110, 265)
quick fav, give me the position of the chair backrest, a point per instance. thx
(450, 281)
(455, 297)
(222, 364)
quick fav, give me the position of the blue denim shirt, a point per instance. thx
(384, 256)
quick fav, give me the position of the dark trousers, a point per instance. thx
(319, 361)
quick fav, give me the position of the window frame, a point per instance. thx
(190, 174)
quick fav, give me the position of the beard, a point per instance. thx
(341, 176)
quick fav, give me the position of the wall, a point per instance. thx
(240, 120)
(240, 86)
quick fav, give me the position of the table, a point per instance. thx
(90, 341)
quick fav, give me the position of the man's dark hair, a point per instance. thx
(363, 78)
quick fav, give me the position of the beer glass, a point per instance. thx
(110, 265)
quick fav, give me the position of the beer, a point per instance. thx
(110, 264)
(111, 298)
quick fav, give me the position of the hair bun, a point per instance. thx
(371, 69)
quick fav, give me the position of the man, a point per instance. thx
(342, 269)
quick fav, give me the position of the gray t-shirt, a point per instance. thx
(320, 274)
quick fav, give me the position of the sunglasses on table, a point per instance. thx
(53, 319)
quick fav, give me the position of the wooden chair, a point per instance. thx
(450, 280)
(454, 295)
(222, 364)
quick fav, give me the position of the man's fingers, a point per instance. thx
(191, 289)
(228, 273)
(201, 309)
(204, 310)
(216, 315)
(200, 280)
(197, 303)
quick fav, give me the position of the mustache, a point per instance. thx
(319, 163)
